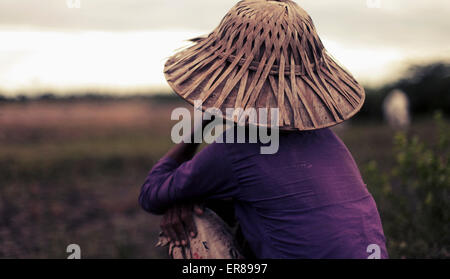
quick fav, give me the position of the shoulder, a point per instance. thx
(211, 156)
(325, 135)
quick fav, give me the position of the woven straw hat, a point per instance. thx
(267, 54)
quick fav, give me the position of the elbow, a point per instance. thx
(143, 202)
(148, 203)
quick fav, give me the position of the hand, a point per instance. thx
(178, 223)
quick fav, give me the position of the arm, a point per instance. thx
(177, 222)
(176, 180)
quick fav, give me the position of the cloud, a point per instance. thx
(366, 40)
(400, 23)
(408, 24)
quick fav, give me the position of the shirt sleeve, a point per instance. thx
(208, 175)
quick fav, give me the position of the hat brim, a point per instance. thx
(322, 97)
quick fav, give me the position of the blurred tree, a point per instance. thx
(427, 86)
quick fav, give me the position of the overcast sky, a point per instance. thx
(123, 43)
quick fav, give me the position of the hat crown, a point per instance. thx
(267, 54)
(261, 30)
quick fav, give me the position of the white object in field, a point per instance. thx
(396, 109)
(214, 240)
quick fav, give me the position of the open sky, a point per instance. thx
(121, 45)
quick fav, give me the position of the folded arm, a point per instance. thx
(181, 179)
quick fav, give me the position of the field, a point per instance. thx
(71, 171)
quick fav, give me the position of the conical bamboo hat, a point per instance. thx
(267, 54)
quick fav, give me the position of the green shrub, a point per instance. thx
(414, 196)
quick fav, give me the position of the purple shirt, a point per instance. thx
(306, 201)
